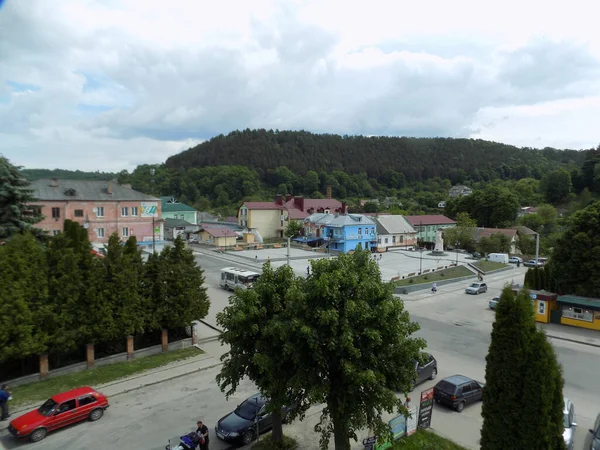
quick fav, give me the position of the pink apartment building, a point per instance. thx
(103, 207)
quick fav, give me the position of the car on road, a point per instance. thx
(426, 368)
(458, 391)
(59, 411)
(569, 423)
(494, 302)
(476, 288)
(595, 444)
(532, 263)
(515, 260)
(240, 425)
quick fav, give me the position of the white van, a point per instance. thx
(498, 257)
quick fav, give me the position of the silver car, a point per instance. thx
(476, 288)
(569, 423)
(493, 302)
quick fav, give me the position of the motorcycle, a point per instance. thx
(190, 441)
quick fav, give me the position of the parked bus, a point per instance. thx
(232, 277)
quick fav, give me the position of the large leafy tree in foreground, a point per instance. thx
(353, 344)
(255, 329)
(575, 256)
(523, 382)
(16, 212)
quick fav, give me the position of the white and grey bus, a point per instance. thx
(232, 277)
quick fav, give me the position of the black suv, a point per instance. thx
(457, 391)
(426, 368)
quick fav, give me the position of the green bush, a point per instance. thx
(267, 443)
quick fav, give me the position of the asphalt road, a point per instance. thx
(456, 327)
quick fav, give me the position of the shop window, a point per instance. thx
(577, 313)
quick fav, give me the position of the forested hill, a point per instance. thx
(418, 158)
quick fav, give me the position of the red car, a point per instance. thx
(59, 411)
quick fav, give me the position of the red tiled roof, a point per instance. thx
(432, 219)
(292, 206)
(219, 232)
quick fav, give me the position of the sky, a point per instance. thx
(110, 84)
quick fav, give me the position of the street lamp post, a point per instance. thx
(421, 261)
(456, 253)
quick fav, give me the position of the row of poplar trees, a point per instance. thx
(58, 295)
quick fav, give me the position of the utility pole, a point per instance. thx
(289, 240)
(421, 261)
(457, 253)
(153, 236)
(537, 248)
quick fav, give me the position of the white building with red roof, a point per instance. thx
(427, 225)
(270, 219)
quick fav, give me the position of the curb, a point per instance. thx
(572, 340)
(174, 377)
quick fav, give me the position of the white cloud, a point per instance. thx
(109, 84)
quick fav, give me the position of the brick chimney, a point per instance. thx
(328, 195)
(109, 188)
(343, 208)
(288, 197)
(278, 199)
(299, 202)
(54, 182)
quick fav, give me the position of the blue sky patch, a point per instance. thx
(22, 87)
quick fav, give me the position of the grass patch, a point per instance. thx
(488, 266)
(444, 274)
(266, 443)
(39, 391)
(425, 440)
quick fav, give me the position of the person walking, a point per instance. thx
(4, 396)
(203, 430)
(434, 288)
(307, 270)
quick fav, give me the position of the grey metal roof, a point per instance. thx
(85, 190)
(351, 219)
(393, 224)
(320, 218)
(173, 223)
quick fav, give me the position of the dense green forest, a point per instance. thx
(413, 175)
(418, 159)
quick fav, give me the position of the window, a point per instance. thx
(466, 388)
(393, 239)
(100, 211)
(359, 231)
(134, 210)
(79, 213)
(66, 406)
(100, 232)
(577, 313)
(125, 232)
(56, 213)
(124, 211)
(386, 240)
(401, 238)
(55, 232)
(86, 400)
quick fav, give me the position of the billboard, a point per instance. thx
(149, 209)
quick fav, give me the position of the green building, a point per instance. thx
(172, 209)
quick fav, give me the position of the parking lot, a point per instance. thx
(395, 263)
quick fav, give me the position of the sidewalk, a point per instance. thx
(571, 334)
(211, 358)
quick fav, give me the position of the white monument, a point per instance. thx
(439, 243)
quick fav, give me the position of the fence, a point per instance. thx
(91, 362)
